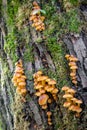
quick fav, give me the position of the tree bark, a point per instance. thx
(19, 113)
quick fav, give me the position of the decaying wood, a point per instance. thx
(77, 47)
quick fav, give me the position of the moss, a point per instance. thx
(10, 46)
(28, 56)
(57, 53)
(19, 122)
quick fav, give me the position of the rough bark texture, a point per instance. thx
(28, 115)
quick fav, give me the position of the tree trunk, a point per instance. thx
(44, 51)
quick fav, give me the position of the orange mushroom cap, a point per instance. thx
(71, 91)
(49, 113)
(66, 104)
(44, 107)
(65, 88)
(52, 82)
(43, 99)
(38, 94)
(67, 96)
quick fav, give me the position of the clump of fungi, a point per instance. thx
(45, 90)
(19, 79)
(73, 67)
(36, 18)
(72, 103)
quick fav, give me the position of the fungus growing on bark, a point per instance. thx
(73, 67)
(36, 18)
(46, 90)
(43, 99)
(49, 117)
(72, 103)
(19, 78)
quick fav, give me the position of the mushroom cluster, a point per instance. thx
(49, 118)
(72, 103)
(45, 89)
(73, 67)
(19, 79)
(36, 18)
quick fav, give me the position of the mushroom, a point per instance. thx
(66, 104)
(38, 86)
(68, 97)
(22, 83)
(38, 94)
(44, 106)
(49, 113)
(49, 100)
(78, 102)
(74, 81)
(49, 123)
(72, 74)
(72, 64)
(42, 79)
(23, 91)
(43, 99)
(73, 67)
(65, 88)
(71, 91)
(55, 90)
(67, 56)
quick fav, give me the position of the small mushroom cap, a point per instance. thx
(19, 70)
(77, 109)
(67, 96)
(65, 88)
(74, 78)
(73, 67)
(38, 86)
(43, 99)
(17, 75)
(39, 72)
(73, 59)
(44, 107)
(55, 90)
(67, 56)
(74, 81)
(71, 91)
(55, 97)
(49, 123)
(52, 82)
(23, 76)
(14, 79)
(66, 104)
(49, 100)
(47, 80)
(71, 108)
(76, 100)
(50, 89)
(38, 94)
(42, 78)
(49, 119)
(49, 113)
(23, 91)
(72, 64)
(72, 74)
(22, 84)
(42, 91)
(46, 87)
(20, 80)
